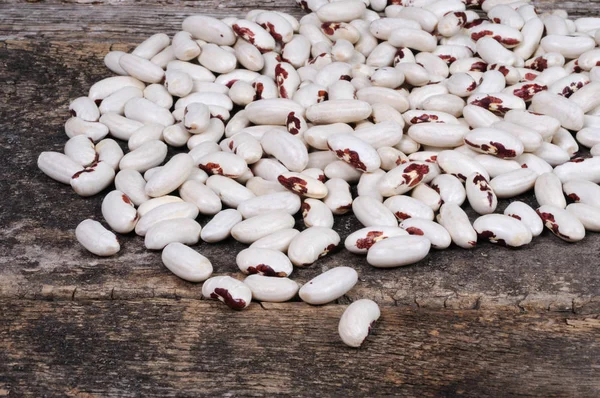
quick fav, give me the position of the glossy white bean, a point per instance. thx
(279, 240)
(496, 166)
(354, 151)
(339, 197)
(234, 293)
(359, 242)
(494, 142)
(338, 111)
(105, 87)
(439, 134)
(265, 262)
(548, 191)
(457, 223)
(316, 214)
(434, 232)
(182, 230)
(93, 179)
(450, 189)
(269, 289)
(398, 251)
(254, 228)
(150, 154)
(356, 322)
(480, 194)
(84, 108)
(164, 212)
(459, 164)
(502, 229)
(312, 244)
(303, 185)
(57, 166)
(579, 169)
(286, 148)
(231, 192)
(272, 111)
(223, 163)
(209, 29)
(119, 212)
(569, 114)
(405, 207)
(403, 178)
(370, 212)
(201, 196)
(588, 215)
(329, 286)
(174, 173)
(524, 213)
(219, 228)
(582, 191)
(284, 201)
(96, 239)
(385, 133)
(141, 68)
(561, 223)
(186, 262)
(534, 163)
(513, 183)
(155, 202)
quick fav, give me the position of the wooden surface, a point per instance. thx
(490, 321)
(163, 347)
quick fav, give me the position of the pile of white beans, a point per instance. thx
(423, 106)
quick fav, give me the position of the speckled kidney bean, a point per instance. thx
(503, 230)
(434, 232)
(235, 294)
(561, 223)
(311, 244)
(265, 262)
(356, 322)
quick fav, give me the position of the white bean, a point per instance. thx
(562, 223)
(311, 244)
(182, 230)
(254, 228)
(398, 251)
(502, 229)
(265, 262)
(119, 212)
(186, 263)
(97, 239)
(93, 179)
(329, 286)
(356, 322)
(219, 228)
(456, 221)
(269, 289)
(235, 294)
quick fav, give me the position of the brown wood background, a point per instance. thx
(486, 322)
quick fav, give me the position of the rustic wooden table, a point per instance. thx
(486, 322)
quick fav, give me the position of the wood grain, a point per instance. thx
(126, 20)
(190, 348)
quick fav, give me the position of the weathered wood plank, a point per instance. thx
(118, 21)
(39, 257)
(191, 348)
(112, 23)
